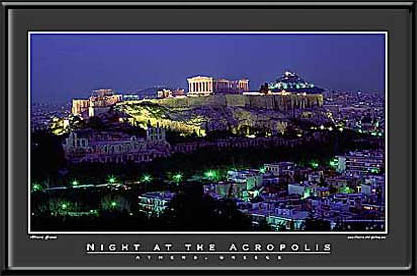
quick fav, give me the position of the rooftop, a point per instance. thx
(164, 195)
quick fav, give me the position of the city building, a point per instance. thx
(205, 86)
(361, 162)
(298, 189)
(339, 181)
(306, 190)
(251, 178)
(281, 169)
(361, 112)
(281, 219)
(155, 203)
(99, 102)
(373, 185)
(316, 176)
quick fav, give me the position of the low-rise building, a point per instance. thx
(361, 162)
(251, 178)
(281, 219)
(281, 169)
(373, 185)
(155, 203)
(298, 189)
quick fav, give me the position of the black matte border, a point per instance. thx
(4, 212)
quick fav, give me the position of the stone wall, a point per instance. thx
(272, 102)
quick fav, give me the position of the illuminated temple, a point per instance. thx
(205, 86)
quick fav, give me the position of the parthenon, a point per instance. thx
(200, 86)
(204, 86)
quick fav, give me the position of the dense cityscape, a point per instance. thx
(217, 155)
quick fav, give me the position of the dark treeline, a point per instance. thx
(47, 157)
(190, 210)
(55, 170)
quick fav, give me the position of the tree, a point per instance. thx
(191, 210)
(96, 123)
(264, 88)
(112, 203)
(315, 224)
(47, 157)
(263, 226)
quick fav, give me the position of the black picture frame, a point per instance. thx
(6, 121)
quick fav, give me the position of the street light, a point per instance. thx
(333, 163)
(74, 182)
(210, 174)
(177, 177)
(112, 179)
(315, 165)
(147, 178)
(36, 187)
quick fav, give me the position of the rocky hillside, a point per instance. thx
(202, 118)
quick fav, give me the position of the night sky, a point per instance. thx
(65, 66)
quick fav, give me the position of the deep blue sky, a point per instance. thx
(64, 66)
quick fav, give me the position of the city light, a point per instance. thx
(307, 193)
(112, 179)
(36, 187)
(262, 170)
(210, 174)
(147, 178)
(334, 163)
(94, 212)
(347, 190)
(64, 206)
(374, 170)
(177, 177)
(314, 164)
(113, 204)
(74, 183)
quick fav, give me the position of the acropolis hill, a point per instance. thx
(213, 104)
(218, 112)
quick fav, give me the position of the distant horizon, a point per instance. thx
(66, 66)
